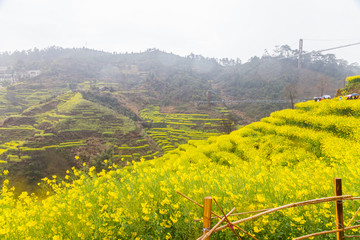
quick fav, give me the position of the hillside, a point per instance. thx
(291, 156)
(93, 126)
(155, 77)
(57, 104)
(43, 139)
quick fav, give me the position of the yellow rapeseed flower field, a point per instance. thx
(291, 156)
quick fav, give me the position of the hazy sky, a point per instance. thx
(222, 28)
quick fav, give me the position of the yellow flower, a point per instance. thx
(256, 229)
(168, 236)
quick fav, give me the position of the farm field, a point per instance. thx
(92, 125)
(291, 156)
(172, 130)
(20, 96)
(65, 126)
(68, 113)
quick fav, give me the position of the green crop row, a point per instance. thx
(137, 147)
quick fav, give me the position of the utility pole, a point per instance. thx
(300, 52)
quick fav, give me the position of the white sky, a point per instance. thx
(221, 28)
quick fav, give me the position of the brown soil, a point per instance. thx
(17, 121)
(68, 136)
(245, 119)
(128, 104)
(41, 109)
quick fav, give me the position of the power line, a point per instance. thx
(317, 51)
(333, 48)
(330, 40)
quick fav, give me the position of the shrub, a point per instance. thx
(353, 79)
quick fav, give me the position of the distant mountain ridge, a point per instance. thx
(170, 79)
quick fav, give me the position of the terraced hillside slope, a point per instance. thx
(92, 126)
(44, 139)
(291, 156)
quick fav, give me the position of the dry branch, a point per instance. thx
(213, 229)
(244, 213)
(298, 204)
(352, 219)
(327, 232)
(198, 204)
(227, 220)
(237, 214)
(189, 199)
(231, 226)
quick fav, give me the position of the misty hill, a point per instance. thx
(168, 79)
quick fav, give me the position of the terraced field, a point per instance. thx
(15, 99)
(136, 150)
(66, 121)
(49, 133)
(171, 130)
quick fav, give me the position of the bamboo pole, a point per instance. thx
(232, 226)
(246, 233)
(327, 232)
(237, 214)
(196, 203)
(207, 216)
(339, 209)
(298, 204)
(207, 235)
(244, 213)
(227, 220)
(217, 216)
(352, 219)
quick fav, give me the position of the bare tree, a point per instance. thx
(228, 123)
(323, 83)
(291, 91)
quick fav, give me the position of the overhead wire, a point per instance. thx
(318, 51)
(333, 48)
(331, 40)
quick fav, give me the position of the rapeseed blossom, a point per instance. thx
(291, 156)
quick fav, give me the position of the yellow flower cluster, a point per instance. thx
(353, 79)
(291, 156)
